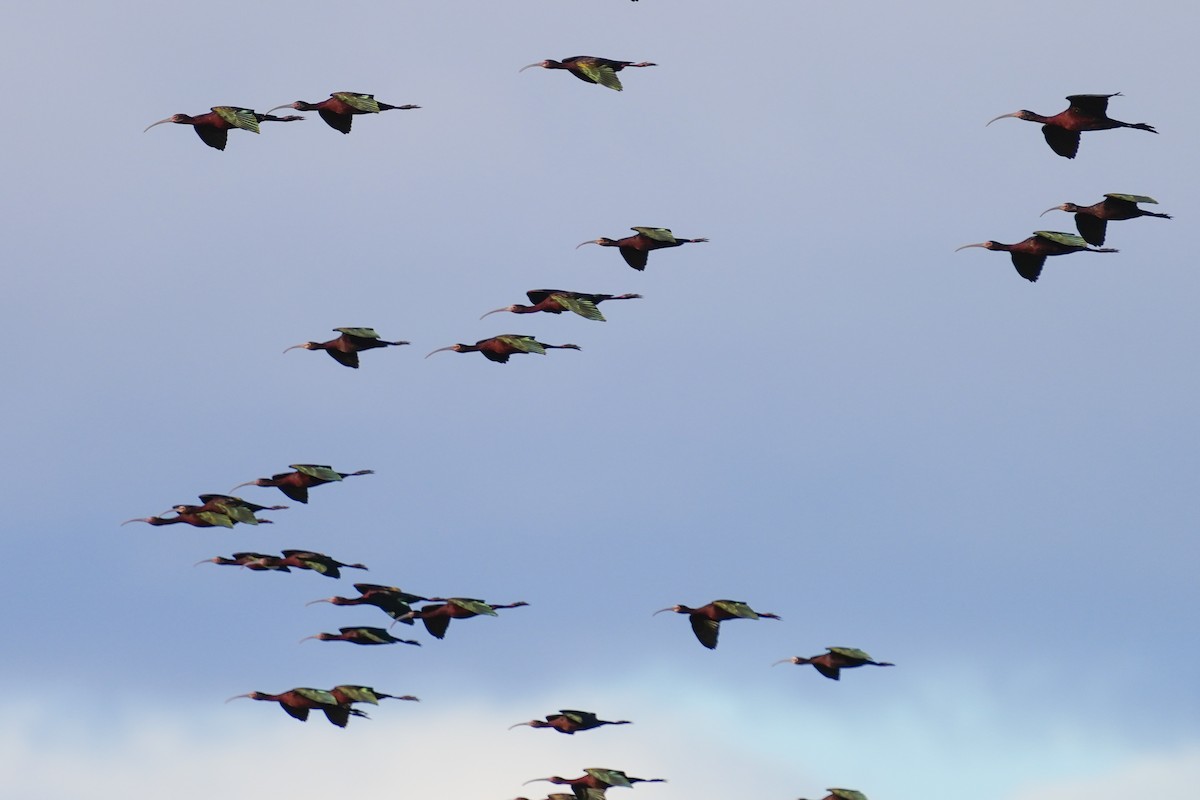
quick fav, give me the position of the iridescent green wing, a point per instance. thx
(359, 102)
(317, 471)
(376, 635)
(578, 717)
(847, 794)
(238, 117)
(1069, 239)
(584, 308)
(599, 73)
(362, 333)
(475, 606)
(214, 518)
(736, 608)
(1133, 198)
(526, 344)
(358, 694)
(234, 510)
(316, 695)
(613, 777)
(657, 234)
(850, 652)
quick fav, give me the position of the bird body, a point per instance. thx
(591, 69)
(391, 600)
(237, 509)
(345, 348)
(361, 635)
(556, 301)
(1087, 112)
(341, 107)
(437, 617)
(346, 694)
(1092, 221)
(706, 620)
(317, 562)
(197, 519)
(213, 128)
(296, 484)
(1029, 255)
(836, 659)
(258, 562)
(499, 348)
(569, 721)
(636, 249)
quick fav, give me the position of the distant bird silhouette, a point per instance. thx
(1087, 112)
(235, 508)
(499, 348)
(341, 107)
(595, 780)
(1029, 255)
(591, 69)
(317, 562)
(345, 348)
(259, 562)
(361, 635)
(636, 249)
(437, 617)
(831, 664)
(706, 620)
(390, 599)
(296, 484)
(347, 694)
(568, 721)
(1091, 221)
(299, 701)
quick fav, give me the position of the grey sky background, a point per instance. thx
(824, 411)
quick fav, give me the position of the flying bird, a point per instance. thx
(499, 348)
(341, 107)
(706, 620)
(361, 635)
(258, 562)
(345, 348)
(595, 780)
(390, 599)
(1029, 255)
(1092, 221)
(830, 664)
(591, 69)
(556, 301)
(213, 128)
(299, 701)
(437, 617)
(317, 562)
(235, 508)
(296, 484)
(1087, 112)
(636, 249)
(347, 694)
(569, 721)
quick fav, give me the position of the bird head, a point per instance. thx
(676, 609)
(251, 695)
(176, 118)
(1022, 114)
(513, 308)
(458, 348)
(255, 482)
(305, 346)
(1070, 208)
(989, 245)
(792, 660)
(603, 241)
(549, 63)
(299, 105)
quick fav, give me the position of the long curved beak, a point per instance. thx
(276, 108)
(160, 122)
(322, 600)
(240, 485)
(1052, 208)
(965, 246)
(527, 66)
(236, 696)
(293, 347)
(589, 241)
(205, 561)
(1002, 116)
(519, 724)
(783, 661)
(440, 349)
(497, 311)
(534, 780)
(135, 519)
(306, 638)
(661, 610)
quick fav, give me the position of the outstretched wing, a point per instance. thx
(1091, 104)
(657, 234)
(1029, 266)
(706, 631)
(243, 118)
(526, 344)
(1061, 141)
(339, 122)
(599, 73)
(634, 258)
(365, 103)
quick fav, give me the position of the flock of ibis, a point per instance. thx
(1062, 132)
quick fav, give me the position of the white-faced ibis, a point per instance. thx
(1093, 220)
(843, 794)
(361, 635)
(235, 508)
(499, 348)
(341, 107)
(569, 721)
(636, 249)
(706, 620)
(296, 484)
(437, 617)
(1087, 112)
(258, 562)
(390, 599)
(556, 301)
(347, 694)
(299, 701)
(317, 562)
(595, 780)
(200, 519)
(213, 127)
(1029, 256)
(345, 348)
(591, 69)
(831, 663)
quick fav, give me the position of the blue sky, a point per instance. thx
(825, 411)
